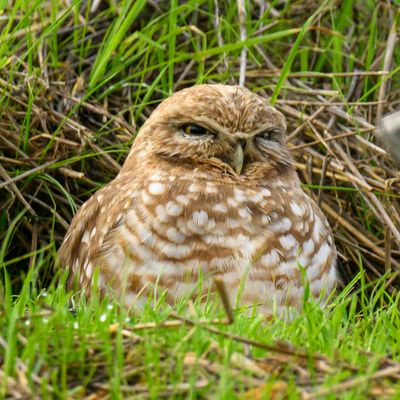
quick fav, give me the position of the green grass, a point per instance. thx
(66, 346)
(91, 80)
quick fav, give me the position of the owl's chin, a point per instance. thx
(256, 173)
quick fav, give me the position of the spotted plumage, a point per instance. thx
(208, 189)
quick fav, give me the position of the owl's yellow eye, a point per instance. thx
(196, 130)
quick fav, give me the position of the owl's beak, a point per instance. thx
(238, 157)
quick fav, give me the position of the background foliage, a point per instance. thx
(79, 78)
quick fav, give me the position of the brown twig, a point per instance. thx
(342, 386)
(22, 176)
(223, 294)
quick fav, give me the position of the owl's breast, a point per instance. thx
(179, 227)
(179, 233)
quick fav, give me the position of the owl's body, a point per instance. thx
(221, 199)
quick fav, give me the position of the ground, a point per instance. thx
(78, 79)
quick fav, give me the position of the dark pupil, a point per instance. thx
(267, 135)
(196, 130)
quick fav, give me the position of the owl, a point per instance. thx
(208, 190)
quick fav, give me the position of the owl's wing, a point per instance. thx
(318, 252)
(94, 221)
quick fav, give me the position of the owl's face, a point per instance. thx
(223, 128)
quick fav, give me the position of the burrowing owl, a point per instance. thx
(208, 189)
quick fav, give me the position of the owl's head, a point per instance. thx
(227, 129)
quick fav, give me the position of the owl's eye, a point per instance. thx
(270, 134)
(196, 130)
(266, 135)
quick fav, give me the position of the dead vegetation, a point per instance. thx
(61, 139)
(59, 143)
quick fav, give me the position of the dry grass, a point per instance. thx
(60, 140)
(72, 98)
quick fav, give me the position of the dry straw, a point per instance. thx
(74, 141)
